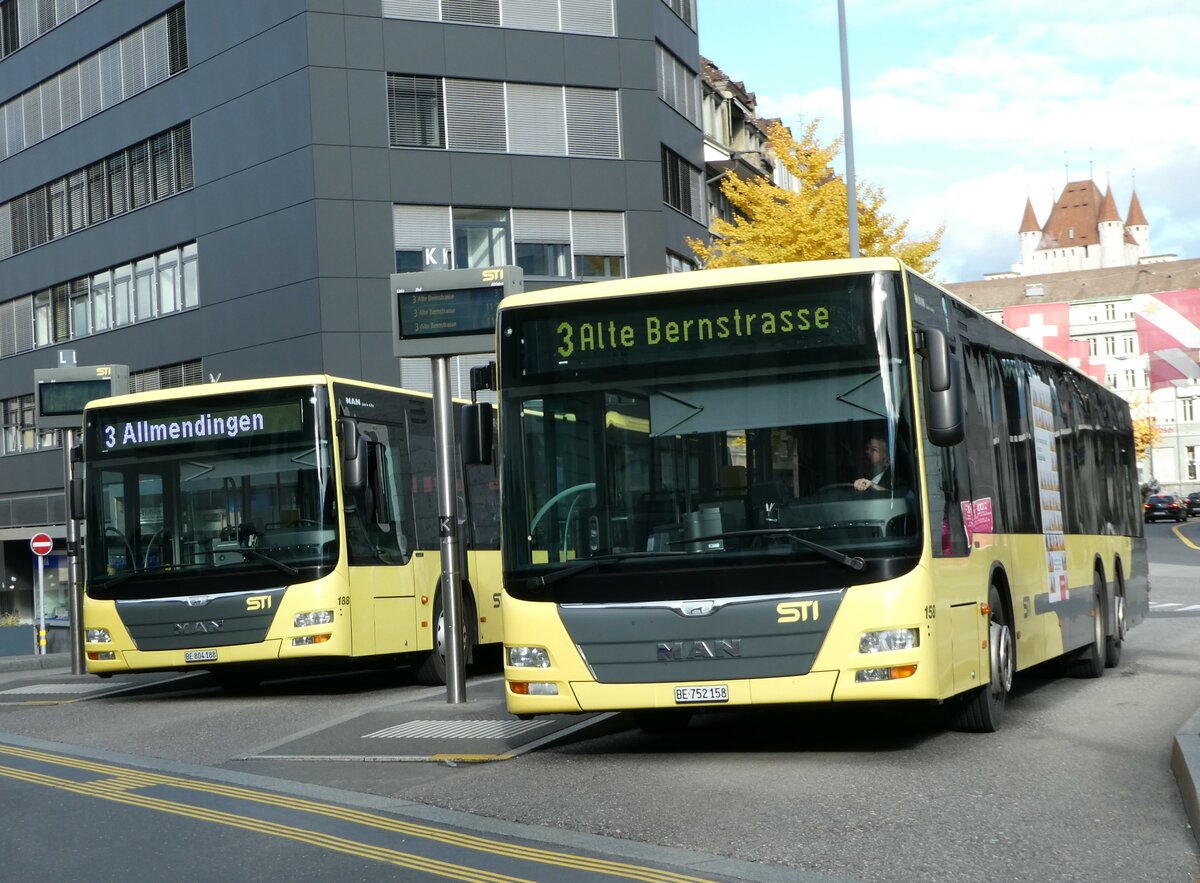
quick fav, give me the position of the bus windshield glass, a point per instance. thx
(767, 426)
(238, 488)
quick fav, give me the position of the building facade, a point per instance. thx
(1136, 329)
(217, 189)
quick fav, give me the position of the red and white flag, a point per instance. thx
(1048, 325)
(1168, 327)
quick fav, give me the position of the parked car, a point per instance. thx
(1165, 506)
(1193, 503)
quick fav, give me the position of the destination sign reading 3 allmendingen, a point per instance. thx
(143, 431)
(691, 325)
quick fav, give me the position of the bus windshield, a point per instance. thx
(239, 488)
(649, 441)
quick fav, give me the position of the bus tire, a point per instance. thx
(1113, 642)
(431, 671)
(983, 708)
(1089, 661)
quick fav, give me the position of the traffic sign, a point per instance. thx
(41, 544)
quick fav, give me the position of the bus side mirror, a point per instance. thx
(76, 498)
(943, 391)
(354, 456)
(475, 434)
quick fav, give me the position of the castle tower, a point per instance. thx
(1031, 235)
(1137, 226)
(1112, 233)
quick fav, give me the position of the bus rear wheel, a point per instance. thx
(983, 709)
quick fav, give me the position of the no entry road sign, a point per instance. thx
(41, 544)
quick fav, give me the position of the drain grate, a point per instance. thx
(459, 729)
(57, 688)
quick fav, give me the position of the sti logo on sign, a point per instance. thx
(41, 544)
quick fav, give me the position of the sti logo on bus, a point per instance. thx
(686, 651)
(259, 602)
(798, 611)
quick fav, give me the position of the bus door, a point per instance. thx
(379, 542)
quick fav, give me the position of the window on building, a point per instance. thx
(415, 111)
(1110, 345)
(678, 85)
(1110, 312)
(18, 425)
(1187, 413)
(596, 266)
(685, 9)
(1130, 378)
(1129, 344)
(572, 16)
(1190, 454)
(683, 185)
(1110, 380)
(190, 276)
(677, 264)
(1091, 346)
(480, 237)
(143, 287)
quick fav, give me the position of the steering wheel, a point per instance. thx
(549, 504)
(838, 485)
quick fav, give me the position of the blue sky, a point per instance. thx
(963, 108)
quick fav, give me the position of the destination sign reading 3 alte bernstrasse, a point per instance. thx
(619, 333)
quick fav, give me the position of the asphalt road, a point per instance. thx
(1076, 786)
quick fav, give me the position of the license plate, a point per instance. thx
(702, 693)
(199, 655)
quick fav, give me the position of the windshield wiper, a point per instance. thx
(585, 564)
(267, 559)
(119, 578)
(854, 563)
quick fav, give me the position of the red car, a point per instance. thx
(1165, 506)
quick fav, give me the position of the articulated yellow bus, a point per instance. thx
(242, 526)
(806, 483)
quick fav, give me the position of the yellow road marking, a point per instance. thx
(452, 838)
(1175, 530)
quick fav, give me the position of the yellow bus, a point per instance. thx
(804, 483)
(243, 526)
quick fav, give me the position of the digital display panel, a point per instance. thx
(448, 313)
(735, 323)
(70, 396)
(116, 432)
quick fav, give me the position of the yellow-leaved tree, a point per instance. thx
(772, 225)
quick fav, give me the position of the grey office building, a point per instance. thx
(221, 188)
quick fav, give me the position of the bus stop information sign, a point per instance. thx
(449, 312)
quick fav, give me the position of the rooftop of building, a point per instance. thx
(1080, 285)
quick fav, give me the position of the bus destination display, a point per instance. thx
(711, 324)
(448, 313)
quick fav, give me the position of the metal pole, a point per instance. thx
(74, 584)
(851, 187)
(41, 605)
(443, 434)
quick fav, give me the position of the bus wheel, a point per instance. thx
(1089, 661)
(983, 709)
(1113, 642)
(431, 672)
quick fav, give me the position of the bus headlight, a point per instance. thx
(316, 617)
(97, 636)
(528, 657)
(889, 639)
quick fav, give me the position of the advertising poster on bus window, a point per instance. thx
(1050, 490)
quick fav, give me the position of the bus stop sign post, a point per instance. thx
(59, 396)
(41, 544)
(443, 313)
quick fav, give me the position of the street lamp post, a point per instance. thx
(851, 188)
